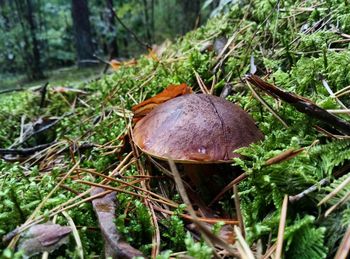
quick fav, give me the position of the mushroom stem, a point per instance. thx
(209, 179)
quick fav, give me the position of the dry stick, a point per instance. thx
(25, 151)
(281, 227)
(207, 234)
(219, 64)
(301, 104)
(238, 210)
(270, 251)
(309, 190)
(335, 191)
(262, 101)
(344, 247)
(125, 191)
(245, 247)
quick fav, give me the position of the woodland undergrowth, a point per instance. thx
(300, 46)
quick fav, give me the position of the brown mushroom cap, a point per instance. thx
(196, 128)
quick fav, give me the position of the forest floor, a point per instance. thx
(65, 76)
(286, 63)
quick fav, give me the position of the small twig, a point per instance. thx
(12, 90)
(270, 251)
(329, 90)
(339, 111)
(281, 227)
(344, 246)
(145, 45)
(343, 91)
(117, 189)
(309, 190)
(201, 219)
(301, 104)
(24, 151)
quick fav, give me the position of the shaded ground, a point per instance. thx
(57, 77)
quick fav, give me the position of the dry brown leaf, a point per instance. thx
(172, 91)
(62, 89)
(43, 237)
(116, 64)
(104, 208)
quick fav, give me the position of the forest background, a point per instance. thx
(39, 38)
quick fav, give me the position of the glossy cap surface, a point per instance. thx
(196, 128)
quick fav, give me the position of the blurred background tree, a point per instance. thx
(39, 36)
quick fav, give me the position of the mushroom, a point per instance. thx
(198, 131)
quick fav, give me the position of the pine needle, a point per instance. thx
(75, 234)
(335, 191)
(246, 252)
(263, 102)
(344, 247)
(281, 227)
(238, 209)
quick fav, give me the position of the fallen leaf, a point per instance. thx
(116, 64)
(62, 89)
(104, 208)
(158, 50)
(43, 237)
(172, 91)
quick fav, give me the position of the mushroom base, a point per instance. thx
(203, 180)
(209, 179)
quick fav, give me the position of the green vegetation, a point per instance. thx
(298, 44)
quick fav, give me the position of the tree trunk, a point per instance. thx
(113, 49)
(36, 71)
(147, 23)
(31, 45)
(4, 15)
(82, 34)
(191, 12)
(152, 21)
